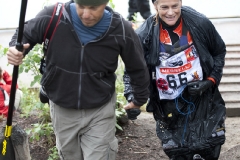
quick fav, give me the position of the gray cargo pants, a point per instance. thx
(85, 134)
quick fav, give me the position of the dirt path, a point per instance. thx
(138, 141)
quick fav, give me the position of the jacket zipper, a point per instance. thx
(81, 60)
(80, 78)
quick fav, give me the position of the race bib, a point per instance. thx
(174, 72)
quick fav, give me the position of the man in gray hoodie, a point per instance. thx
(79, 77)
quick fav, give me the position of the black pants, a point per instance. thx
(141, 6)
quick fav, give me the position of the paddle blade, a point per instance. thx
(7, 150)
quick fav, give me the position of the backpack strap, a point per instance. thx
(51, 28)
(2, 90)
(56, 16)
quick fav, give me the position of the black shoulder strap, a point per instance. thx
(3, 92)
(56, 15)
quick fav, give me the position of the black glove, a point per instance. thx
(133, 113)
(198, 87)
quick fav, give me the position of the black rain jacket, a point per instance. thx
(209, 109)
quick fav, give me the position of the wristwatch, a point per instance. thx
(130, 98)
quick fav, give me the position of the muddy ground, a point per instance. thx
(138, 140)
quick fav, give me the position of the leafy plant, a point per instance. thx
(53, 153)
(3, 51)
(119, 112)
(134, 17)
(31, 63)
(121, 100)
(111, 4)
(29, 102)
(39, 130)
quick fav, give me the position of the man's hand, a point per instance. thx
(198, 87)
(132, 110)
(14, 56)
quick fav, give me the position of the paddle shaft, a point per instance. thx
(19, 47)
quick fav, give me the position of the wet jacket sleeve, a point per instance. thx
(211, 47)
(217, 49)
(136, 77)
(128, 91)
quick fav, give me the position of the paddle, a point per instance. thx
(6, 147)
